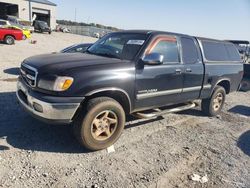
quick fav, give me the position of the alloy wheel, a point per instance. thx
(104, 125)
(217, 102)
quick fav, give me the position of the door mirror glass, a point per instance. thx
(153, 59)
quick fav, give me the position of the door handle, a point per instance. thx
(188, 70)
(177, 71)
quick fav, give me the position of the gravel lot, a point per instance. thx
(162, 152)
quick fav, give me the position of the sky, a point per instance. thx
(220, 19)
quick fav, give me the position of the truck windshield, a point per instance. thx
(118, 45)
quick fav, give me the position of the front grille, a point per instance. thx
(29, 74)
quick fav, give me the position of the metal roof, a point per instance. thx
(46, 2)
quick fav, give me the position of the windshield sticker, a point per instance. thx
(136, 42)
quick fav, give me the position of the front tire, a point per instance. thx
(101, 123)
(213, 105)
(9, 40)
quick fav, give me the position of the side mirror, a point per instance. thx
(153, 59)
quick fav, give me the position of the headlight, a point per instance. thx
(60, 83)
(63, 83)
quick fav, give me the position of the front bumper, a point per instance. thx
(51, 109)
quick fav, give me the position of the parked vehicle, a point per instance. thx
(7, 24)
(26, 25)
(244, 49)
(26, 33)
(41, 26)
(77, 48)
(10, 35)
(128, 72)
(96, 35)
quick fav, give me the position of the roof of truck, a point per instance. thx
(154, 32)
(167, 33)
(214, 40)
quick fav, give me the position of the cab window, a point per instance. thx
(220, 51)
(167, 46)
(190, 52)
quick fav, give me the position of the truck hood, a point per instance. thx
(65, 61)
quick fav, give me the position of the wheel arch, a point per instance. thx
(10, 36)
(225, 83)
(118, 94)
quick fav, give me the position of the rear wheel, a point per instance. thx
(101, 123)
(213, 105)
(9, 40)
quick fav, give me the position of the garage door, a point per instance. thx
(40, 11)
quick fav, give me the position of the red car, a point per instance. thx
(10, 35)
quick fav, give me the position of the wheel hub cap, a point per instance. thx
(217, 102)
(8, 41)
(104, 125)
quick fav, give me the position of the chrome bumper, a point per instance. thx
(47, 108)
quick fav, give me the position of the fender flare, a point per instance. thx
(96, 91)
(221, 80)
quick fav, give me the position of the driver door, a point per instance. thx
(158, 85)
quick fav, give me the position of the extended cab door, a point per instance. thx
(193, 68)
(158, 85)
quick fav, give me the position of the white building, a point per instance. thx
(29, 9)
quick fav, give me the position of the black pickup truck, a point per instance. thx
(128, 72)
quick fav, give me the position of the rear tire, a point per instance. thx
(100, 124)
(9, 40)
(213, 105)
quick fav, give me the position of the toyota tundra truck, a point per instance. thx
(128, 72)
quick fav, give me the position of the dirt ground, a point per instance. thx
(157, 153)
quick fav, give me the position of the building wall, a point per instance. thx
(52, 12)
(23, 9)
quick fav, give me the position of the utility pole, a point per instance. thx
(75, 14)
